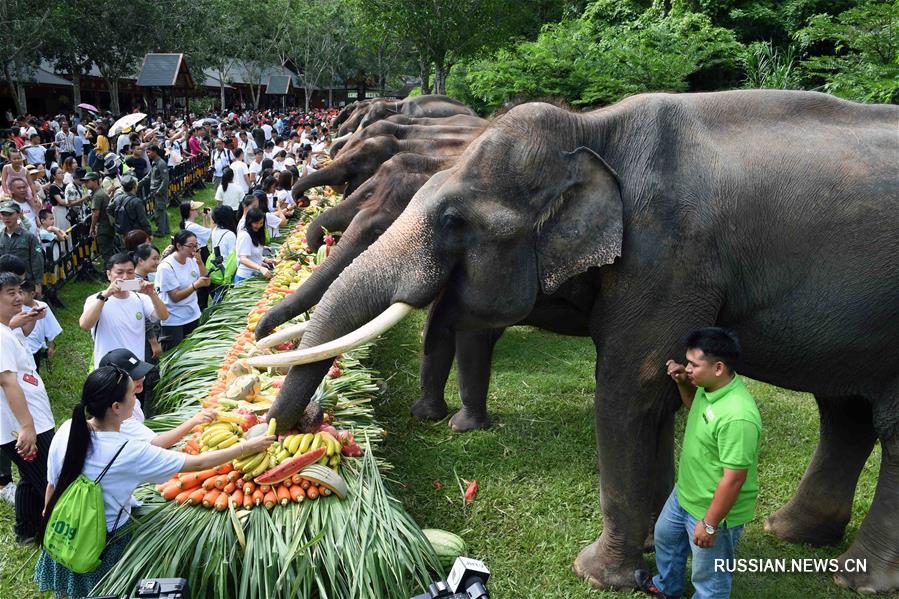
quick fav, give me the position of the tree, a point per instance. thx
(24, 34)
(71, 42)
(446, 31)
(861, 51)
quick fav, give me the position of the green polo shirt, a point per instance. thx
(723, 431)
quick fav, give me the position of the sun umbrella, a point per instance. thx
(88, 107)
(129, 120)
(206, 121)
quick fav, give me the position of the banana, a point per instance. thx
(305, 442)
(323, 460)
(316, 442)
(218, 426)
(293, 443)
(241, 462)
(331, 443)
(255, 462)
(335, 460)
(228, 442)
(261, 467)
(205, 437)
(283, 455)
(217, 438)
(272, 426)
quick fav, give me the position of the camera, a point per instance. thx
(156, 588)
(467, 580)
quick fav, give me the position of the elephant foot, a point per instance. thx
(465, 420)
(605, 570)
(649, 545)
(880, 571)
(814, 525)
(425, 409)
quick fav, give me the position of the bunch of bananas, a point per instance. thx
(253, 465)
(296, 445)
(220, 435)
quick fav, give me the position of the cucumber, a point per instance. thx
(447, 546)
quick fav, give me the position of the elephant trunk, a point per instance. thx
(333, 174)
(312, 290)
(333, 219)
(381, 286)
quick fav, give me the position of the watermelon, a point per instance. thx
(289, 467)
(447, 546)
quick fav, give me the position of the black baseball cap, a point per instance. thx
(127, 361)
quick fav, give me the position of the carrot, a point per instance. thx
(221, 502)
(265, 488)
(283, 495)
(195, 479)
(306, 484)
(237, 498)
(209, 483)
(297, 494)
(270, 500)
(296, 479)
(210, 497)
(325, 491)
(224, 468)
(182, 496)
(234, 475)
(312, 492)
(249, 487)
(170, 492)
(248, 501)
(196, 497)
(240, 483)
(229, 488)
(221, 480)
(258, 497)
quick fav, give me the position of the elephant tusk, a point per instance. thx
(370, 330)
(286, 334)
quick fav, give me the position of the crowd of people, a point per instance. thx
(59, 172)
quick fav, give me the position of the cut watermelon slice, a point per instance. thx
(289, 467)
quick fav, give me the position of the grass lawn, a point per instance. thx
(538, 503)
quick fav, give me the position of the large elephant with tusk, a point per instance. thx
(367, 112)
(770, 213)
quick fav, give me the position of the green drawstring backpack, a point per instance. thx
(225, 274)
(76, 533)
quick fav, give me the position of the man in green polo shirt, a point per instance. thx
(717, 478)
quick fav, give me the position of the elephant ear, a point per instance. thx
(583, 225)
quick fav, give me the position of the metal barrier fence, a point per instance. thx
(72, 257)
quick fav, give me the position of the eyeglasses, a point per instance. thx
(191, 246)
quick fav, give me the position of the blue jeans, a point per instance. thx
(674, 543)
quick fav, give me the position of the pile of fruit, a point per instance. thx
(331, 527)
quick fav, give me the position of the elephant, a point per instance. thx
(354, 168)
(344, 114)
(355, 116)
(431, 105)
(770, 213)
(394, 126)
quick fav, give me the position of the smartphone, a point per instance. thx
(129, 284)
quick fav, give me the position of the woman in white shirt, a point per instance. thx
(93, 444)
(229, 193)
(250, 247)
(273, 220)
(178, 278)
(222, 242)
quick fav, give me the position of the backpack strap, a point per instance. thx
(102, 474)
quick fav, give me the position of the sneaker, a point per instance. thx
(8, 494)
(645, 584)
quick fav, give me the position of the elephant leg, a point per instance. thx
(663, 478)
(432, 376)
(877, 541)
(474, 357)
(822, 506)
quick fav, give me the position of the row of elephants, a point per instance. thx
(774, 214)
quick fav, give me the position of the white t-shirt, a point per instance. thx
(225, 240)
(47, 328)
(28, 213)
(246, 248)
(267, 130)
(230, 197)
(121, 141)
(272, 222)
(279, 166)
(221, 159)
(170, 275)
(240, 169)
(284, 195)
(134, 427)
(121, 325)
(199, 230)
(15, 357)
(255, 169)
(138, 463)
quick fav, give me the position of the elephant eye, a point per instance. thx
(451, 220)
